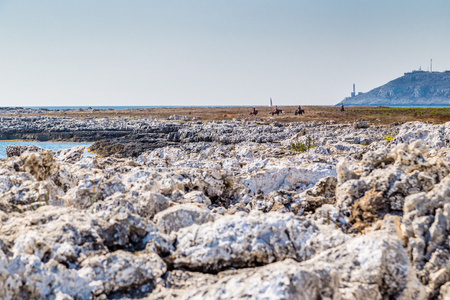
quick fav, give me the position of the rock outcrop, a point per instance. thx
(413, 89)
(231, 216)
(18, 150)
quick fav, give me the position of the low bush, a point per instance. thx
(303, 147)
(388, 137)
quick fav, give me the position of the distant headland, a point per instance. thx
(416, 88)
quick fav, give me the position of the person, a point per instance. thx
(299, 111)
(342, 106)
(276, 111)
(254, 111)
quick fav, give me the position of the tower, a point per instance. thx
(270, 102)
(431, 66)
(354, 91)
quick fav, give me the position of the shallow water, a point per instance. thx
(54, 146)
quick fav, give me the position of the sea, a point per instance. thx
(121, 107)
(54, 146)
(93, 107)
(175, 106)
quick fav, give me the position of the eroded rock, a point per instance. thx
(180, 216)
(229, 209)
(255, 239)
(18, 150)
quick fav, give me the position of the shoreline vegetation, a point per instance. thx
(375, 115)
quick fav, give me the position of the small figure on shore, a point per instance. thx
(276, 111)
(254, 112)
(299, 111)
(342, 106)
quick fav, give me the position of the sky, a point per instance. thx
(213, 53)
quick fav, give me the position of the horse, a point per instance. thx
(254, 113)
(276, 112)
(299, 111)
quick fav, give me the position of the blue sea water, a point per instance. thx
(137, 107)
(169, 106)
(121, 107)
(93, 107)
(54, 146)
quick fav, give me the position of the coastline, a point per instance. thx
(207, 207)
(378, 115)
(134, 131)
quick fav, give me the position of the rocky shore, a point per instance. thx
(227, 209)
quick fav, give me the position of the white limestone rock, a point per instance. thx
(384, 178)
(434, 136)
(361, 124)
(179, 118)
(71, 155)
(286, 178)
(180, 216)
(366, 267)
(120, 270)
(445, 291)
(59, 216)
(242, 240)
(69, 236)
(18, 150)
(26, 277)
(427, 230)
(197, 197)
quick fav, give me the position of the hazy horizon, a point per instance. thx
(205, 53)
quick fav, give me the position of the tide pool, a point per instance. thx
(54, 146)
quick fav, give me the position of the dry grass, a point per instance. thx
(375, 115)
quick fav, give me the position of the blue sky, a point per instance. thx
(108, 52)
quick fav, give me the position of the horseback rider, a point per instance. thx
(299, 111)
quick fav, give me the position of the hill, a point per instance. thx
(417, 88)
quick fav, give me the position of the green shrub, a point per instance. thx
(303, 147)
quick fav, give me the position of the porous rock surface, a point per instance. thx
(226, 210)
(362, 268)
(18, 150)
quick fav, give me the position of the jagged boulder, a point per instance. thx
(427, 230)
(18, 150)
(361, 124)
(69, 236)
(180, 216)
(121, 270)
(40, 164)
(71, 155)
(374, 266)
(434, 136)
(249, 240)
(383, 179)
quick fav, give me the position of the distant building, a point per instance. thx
(415, 72)
(354, 92)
